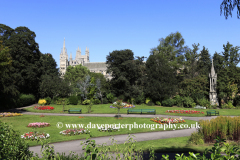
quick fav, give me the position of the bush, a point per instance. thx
(168, 102)
(86, 102)
(196, 138)
(140, 99)
(79, 102)
(147, 100)
(150, 103)
(110, 97)
(96, 101)
(105, 101)
(73, 100)
(114, 99)
(158, 103)
(236, 101)
(11, 145)
(188, 102)
(79, 96)
(203, 102)
(197, 96)
(25, 100)
(67, 102)
(121, 97)
(55, 100)
(178, 101)
(48, 99)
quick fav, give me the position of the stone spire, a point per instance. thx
(64, 50)
(71, 56)
(212, 69)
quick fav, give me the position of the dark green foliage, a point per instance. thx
(178, 100)
(140, 99)
(161, 78)
(121, 97)
(48, 99)
(73, 100)
(188, 102)
(168, 102)
(150, 103)
(11, 145)
(204, 62)
(114, 99)
(197, 96)
(105, 101)
(26, 100)
(126, 72)
(79, 96)
(96, 101)
(110, 97)
(54, 100)
(228, 6)
(236, 101)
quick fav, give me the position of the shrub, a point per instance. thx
(67, 102)
(42, 102)
(196, 138)
(11, 145)
(188, 102)
(55, 100)
(147, 100)
(140, 99)
(79, 96)
(203, 102)
(110, 97)
(25, 100)
(79, 102)
(197, 96)
(96, 101)
(114, 99)
(158, 103)
(48, 99)
(105, 101)
(86, 102)
(73, 100)
(150, 103)
(230, 106)
(178, 100)
(236, 101)
(168, 102)
(121, 97)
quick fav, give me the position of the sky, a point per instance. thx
(107, 25)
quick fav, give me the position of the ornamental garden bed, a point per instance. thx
(35, 135)
(38, 124)
(44, 108)
(185, 111)
(167, 120)
(9, 114)
(75, 131)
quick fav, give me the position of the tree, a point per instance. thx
(191, 57)
(5, 58)
(126, 73)
(48, 65)
(161, 78)
(172, 47)
(228, 6)
(204, 62)
(84, 86)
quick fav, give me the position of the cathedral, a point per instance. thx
(97, 67)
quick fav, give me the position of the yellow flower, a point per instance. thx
(42, 101)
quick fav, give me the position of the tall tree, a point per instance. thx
(204, 62)
(5, 58)
(24, 73)
(161, 78)
(125, 72)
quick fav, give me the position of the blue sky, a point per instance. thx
(107, 25)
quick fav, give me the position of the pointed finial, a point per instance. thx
(78, 48)
(71, 55)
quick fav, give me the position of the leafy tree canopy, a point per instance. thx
(228, 6)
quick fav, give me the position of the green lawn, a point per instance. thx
(178, 144)
(105, 109)
(20, 123)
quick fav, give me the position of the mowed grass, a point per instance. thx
(168, 145)
(20, 123)
(105, 109)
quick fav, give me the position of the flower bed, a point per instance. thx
(38, 124)
(74, 131)
(167, 120)
(184, 111)
(108, 128)
(125, 105)
(9, 114)
(43, 108)
(34, 135)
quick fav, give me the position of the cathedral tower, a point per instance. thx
(63, 59)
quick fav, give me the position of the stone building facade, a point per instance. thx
(97, 67)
